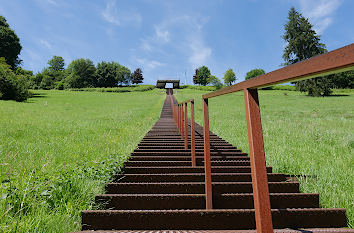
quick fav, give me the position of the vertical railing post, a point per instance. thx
(182, 126)
(185, 127)
(207, 162)
(178, 117)
(258, 164)
(194, 163)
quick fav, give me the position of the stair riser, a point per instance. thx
(198, 202)
(213, 220)
(163, 170)
(197, 188)
(193, 178)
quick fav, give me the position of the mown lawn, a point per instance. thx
(58, 149)
(305, 136)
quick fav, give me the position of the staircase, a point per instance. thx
(160, 190)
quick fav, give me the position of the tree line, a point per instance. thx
(80, 73)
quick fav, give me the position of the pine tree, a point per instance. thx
(137, 76)
(303, 43)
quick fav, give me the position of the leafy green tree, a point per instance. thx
(12, 87)
(137, 76)
(56, 63)
(124, 75)
(107, 74)
(254, 73)
(82, 73)
(10, 46)
(343, 80)
(302, 42)
(229, 77)
(214, 81)
(203, 76)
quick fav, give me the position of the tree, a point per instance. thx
(229, 77)
(10, 46)
(343, 80)
(138, 76)
(214, 81)
(124, 75)
(56, 63)
(195, 77)
(303, 43)
(107, 74)
(203, 76)
(254, 73)
(12, 87)
(82, 73)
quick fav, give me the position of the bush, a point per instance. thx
(12, 87)
(202, 88)
(139, 88)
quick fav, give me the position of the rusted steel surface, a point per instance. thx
(185, 127)
(338, 60)
(258, 163)
(193, 135)
(207, 160)
(182, 121)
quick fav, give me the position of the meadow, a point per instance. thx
(311, 138)
(60, 147)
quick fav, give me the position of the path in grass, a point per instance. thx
(57, 150)
(303, 136)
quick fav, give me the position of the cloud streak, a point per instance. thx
(320, 12)
(112, 15)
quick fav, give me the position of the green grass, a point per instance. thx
(302, 135)
(58, 149)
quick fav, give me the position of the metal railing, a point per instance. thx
(336, 61)
(339, 60)
(180, 115)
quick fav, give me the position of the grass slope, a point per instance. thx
(302, 136)
(58, 149)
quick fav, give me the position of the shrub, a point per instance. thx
(12, 87)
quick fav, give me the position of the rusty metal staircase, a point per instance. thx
(160, 191)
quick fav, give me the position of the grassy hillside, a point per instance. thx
(58, 149)
(306, 136)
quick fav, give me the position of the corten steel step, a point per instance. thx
(160, 190)
(197, 201)
(194, 177)
(218, 219)
(188, 169)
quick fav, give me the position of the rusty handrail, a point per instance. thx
(336, 61)
(181, 119)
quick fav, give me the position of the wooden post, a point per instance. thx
(258, 163)
(194, 163)
(207, 162)
(185, 127)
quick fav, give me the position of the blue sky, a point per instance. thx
(169, 39)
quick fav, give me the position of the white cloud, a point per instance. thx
(151, 64)
(199, 53)
(53, 2)
(162, 34)
(45, 43)
(112, 15)
(183, 33)
(320, 12)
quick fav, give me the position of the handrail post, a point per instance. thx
(178, 117)
(194, 163)
(185, 127)
(258, 164)
(182, 113)
(207, 162)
